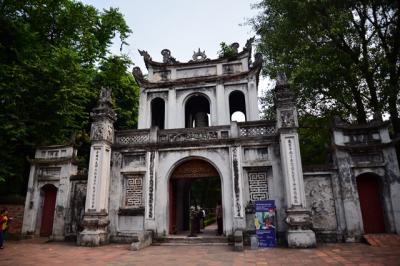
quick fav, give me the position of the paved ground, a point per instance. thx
(37, 252)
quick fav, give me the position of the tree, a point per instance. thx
(343, 57)
(113, 73)
(49, 51)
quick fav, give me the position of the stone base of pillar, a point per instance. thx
(301, 239)
(95, 230)
(57, 237)
(92, 239)
(299, 234)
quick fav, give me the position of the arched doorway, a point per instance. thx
(49, 203)
(193, 182)
(368, 186)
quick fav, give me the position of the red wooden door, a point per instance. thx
(371, 205)
(50, 193)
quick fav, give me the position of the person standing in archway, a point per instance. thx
(218, 214)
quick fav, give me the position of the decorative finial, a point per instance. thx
(258, 61)
(167, 58)
(105, 95)
(235, 46)
(248, 44)
(281, 79)
(199, 56)
(137, 73)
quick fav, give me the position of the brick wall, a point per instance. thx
(15, 211)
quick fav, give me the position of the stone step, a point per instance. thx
(192, 241)
(383, 240)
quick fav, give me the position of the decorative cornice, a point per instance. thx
(370, 126)
(198, 80)
(366, 147)
(71, 159)
(149, 61)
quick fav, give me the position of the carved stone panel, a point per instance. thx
(367, 157)
(195, 169)
(133, 191)
(134, 160)
(102, 131)
(95, 177)
(255, 131)
(194, 135)
(292, 170)
(255, 154)
(133, 139)
(151, 186)
(320, 200)
(232, 68)
(258, 186)
(46, 173)
(237, 182)
(287, 118)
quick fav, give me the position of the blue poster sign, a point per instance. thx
(265, 223)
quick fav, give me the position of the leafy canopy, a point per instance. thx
(342, 57)
(50, 51)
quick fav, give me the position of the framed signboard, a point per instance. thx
(265, 222)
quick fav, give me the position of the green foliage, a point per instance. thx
(206, 192)
(49, 52)
(226, 51)
(267, 106)
(113, 74)
(341, 56)
(314, 136)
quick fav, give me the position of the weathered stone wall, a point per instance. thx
(74, 218)
(321, 202)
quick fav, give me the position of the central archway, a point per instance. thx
(193, 182)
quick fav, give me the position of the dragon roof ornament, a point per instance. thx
(167, 58)
(145, 55)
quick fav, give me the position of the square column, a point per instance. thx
(95, 220)
(299, 234)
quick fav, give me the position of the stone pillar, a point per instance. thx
(299, 234)
(222, 109)
(95, 220)
(171, 110)
(144, 120)
(252, 113)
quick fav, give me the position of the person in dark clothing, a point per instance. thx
(3, 223)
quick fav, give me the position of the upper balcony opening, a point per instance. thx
(237, 106)
(157, 113)
(197, 112)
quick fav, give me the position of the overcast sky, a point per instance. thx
(182, 26)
